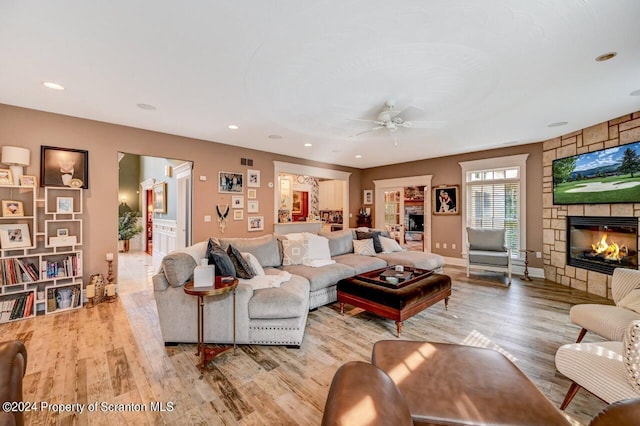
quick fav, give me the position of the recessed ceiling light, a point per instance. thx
(308, 144)
(358, 156)
(606, 56)
(635, 93)
(146, 107)
(233, 127)
(557, 124)
(52, 85)
(275, 137)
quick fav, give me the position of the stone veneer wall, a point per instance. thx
(620, 131)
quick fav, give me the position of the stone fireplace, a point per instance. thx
(602, 243)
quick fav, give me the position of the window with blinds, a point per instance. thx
(493, 201)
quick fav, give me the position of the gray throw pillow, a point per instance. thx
(178, 268)
(218, 257)
(374, 235)
(242, 267)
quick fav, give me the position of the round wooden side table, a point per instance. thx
(222, 285)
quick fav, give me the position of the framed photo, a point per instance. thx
(64, 205)
(63, 232)
(27, 180)
(160, 197)
(296, 203)
(253, 178)
(368, 196)
(14, 235)
(12, 208)
(252, 194)
(237, 201)
(445, 200)
(238, 214)
(252, 206)
(6, 178)
(230, 182)
(256, 223)
(64, 167)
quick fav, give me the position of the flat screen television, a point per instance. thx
(610, 175)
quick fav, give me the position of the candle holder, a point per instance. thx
(90, 302)
(110, 272)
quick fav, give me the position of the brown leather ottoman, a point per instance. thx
(455, 384)
(369, 293)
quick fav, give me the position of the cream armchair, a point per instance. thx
(487, 250)
(609, 321)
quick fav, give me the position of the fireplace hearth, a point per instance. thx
(602, 244)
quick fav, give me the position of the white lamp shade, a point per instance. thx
(15, 156)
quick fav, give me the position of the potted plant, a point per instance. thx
(128, 228)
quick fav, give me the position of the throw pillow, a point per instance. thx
(364, 247)
(294, 251)
(631, 301)
(318, 247)
(243, 269)
(254, 263)
(218, 257)
(389, 245)
(178, 268)
(374, 235)
(631, 353)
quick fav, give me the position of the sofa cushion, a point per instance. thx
(266, 248)
(289, 300)
(294, 252)
(178, 268)
(322, 277)
(389, 245)
(492, 239)
(364, 247)
(359, 263)
(415, 259)
(318, 247)
(218, 256)
(340, 242)
(631, 300)
(374, 235)
(242, 267)
(253, 261)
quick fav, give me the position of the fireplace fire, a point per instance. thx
(602, 244)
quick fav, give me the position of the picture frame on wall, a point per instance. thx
(255, 223)
(252, 194)
(238, 214)
(64, 167)
(445, 200)
(368, 196)
(160, 197)
(237, 201)
(253, 178)
(252, 206)
(64, 205)
(14, 235)
(12, 208)
(230, 183)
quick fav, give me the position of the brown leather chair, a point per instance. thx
(13, 365)
(362, 394)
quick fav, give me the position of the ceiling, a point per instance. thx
(498, 72)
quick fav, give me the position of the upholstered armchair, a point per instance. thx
(487, 250)
(610, 321)
(609, 370)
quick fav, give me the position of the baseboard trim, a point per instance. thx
(516, 269)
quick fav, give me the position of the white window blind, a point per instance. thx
(495, 205)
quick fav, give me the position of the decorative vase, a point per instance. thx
(64, 297)
(98, 281)
(123, 246)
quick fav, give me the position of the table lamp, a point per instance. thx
(16, 158)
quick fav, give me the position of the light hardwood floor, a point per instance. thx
(114, 354)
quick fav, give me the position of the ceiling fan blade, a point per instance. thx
(365, 120)
(411, 113)
(433, 124)
(367, 131)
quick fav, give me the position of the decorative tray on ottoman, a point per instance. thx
(389, 277)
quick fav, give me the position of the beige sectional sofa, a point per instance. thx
(269, 316)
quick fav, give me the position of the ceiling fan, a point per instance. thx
(392, 119)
